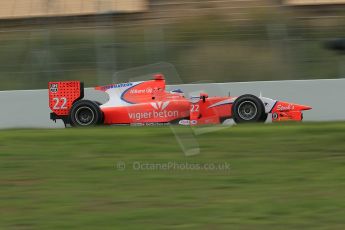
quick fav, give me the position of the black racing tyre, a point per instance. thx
(98, 103)
(101, 121)
(264, 117)
(247, 109)
(85, 113)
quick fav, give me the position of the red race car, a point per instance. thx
(147, 103)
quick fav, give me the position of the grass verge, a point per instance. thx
(285, 176)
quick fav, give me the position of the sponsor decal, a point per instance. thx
(153, 115)
(121, 85)
(158, 112)
(53, 87)
(193, 122)
(137, 124)
(285, 108)
(141, 91)
(184, 122)
(156, 124)
(150, 124)
(188, 122)
(160, 105)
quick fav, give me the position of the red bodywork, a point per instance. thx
(149, 102)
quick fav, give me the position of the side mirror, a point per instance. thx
(203, 96)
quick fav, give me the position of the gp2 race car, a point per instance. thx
(147, 103)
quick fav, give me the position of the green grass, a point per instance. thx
(285, 176)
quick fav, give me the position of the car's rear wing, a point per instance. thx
(62, 95)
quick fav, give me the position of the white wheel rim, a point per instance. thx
(77, 118)
(247, 110)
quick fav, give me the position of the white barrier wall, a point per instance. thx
(29, 108)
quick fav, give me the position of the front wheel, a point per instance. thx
(248, 108)
(85, 113)
(264, 117)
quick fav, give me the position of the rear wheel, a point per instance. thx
(85, 113)
(248, 108)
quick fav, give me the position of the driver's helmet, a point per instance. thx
(177, 91)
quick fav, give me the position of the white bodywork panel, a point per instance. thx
(115, 94)
(268, 103)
